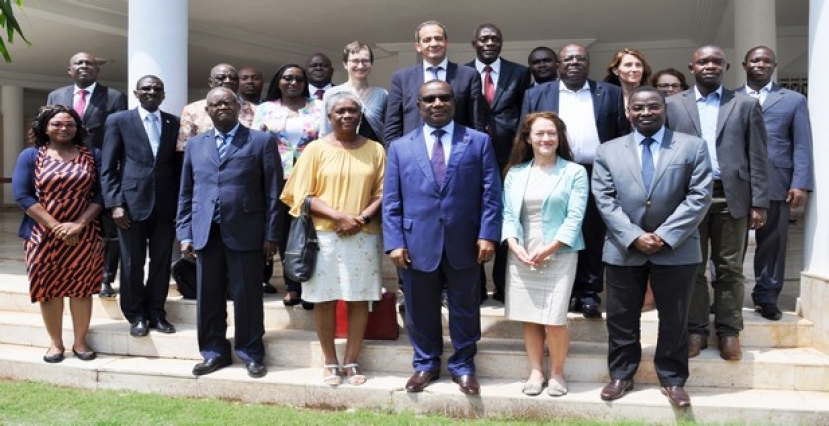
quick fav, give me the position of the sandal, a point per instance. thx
(355, 376)
(533, 387)
(557, 386)
(333, 375)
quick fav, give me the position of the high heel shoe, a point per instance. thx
(84, 356)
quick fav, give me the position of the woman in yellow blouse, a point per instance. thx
(343, 172)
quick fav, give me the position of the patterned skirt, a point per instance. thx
(348, 268)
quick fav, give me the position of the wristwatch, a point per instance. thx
(365, 218)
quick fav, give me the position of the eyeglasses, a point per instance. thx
(293, 78)
(576, 58)
(63, 125)
(432, 98)
(668, 86)
(359, 61)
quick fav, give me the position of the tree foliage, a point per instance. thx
(9, 23)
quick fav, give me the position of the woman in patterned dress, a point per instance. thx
(57, 184)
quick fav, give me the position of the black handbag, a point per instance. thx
(301, 250)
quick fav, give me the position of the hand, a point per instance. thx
(648, 243)
(72, 240)
(120, 217)
(519, 252)
(400, 258)
(269, 248)
(797, 198)
(187, 251)
(348, 225)
(486, 249)
(542, 254)
(67, 230)
(757, 219)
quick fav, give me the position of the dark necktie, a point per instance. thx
(489, 86)
(434, 71)
(319, 93)
(80, 105)
(647, 163)
(438, 157)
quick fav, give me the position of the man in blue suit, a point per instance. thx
(441, 219)
(227, 217)
(791, 177)
(594, 113)
(402, 113)
(138, 175)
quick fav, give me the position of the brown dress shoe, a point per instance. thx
(616, 389)
(730, 348)
(468, 384)
(677, 396)
(696, 343)
(420, 379)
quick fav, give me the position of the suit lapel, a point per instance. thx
(666, 156)
(138, 129)
(726, 106)
(690, 105)
(168, 135)
(421, 156)
(635, 166)
(451, 72)
(774, 96)
(504, 78)
(596, 93)
(460, 141)
(239, 139)
(95, 100)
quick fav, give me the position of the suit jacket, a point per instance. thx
(608, 106)
(673, 208)
(504, 114)
(562, 211)
(131, 176)
(741, 145)
(430, 220)
(402, 114)
(101, 103)
(786, 116)
(246, 184)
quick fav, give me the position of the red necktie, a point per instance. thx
(319, 94)
(489, 87)
(80, 105)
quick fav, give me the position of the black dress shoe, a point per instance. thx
(84, 356)
(268, 288)
(420, 380)
(210, 365)
(291, 299)
(139, 328)
(616, 389)
(106, 290)
(590, 310)
(162, 326)
(308, 306)
(468, 384)
(256, 369)
(769, 311)
(498, 296)
(54, 358)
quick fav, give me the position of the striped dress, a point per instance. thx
(64, 189)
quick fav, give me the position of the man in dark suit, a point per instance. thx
(503, 86)
(441, 219)
(94, 102)
(652, 188)
(542, 62)
(402, 113)
(594, 113)
(137, 169)
(791, 175)
(320, 71)
(732, 126)
(227, 217)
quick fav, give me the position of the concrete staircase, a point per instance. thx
(781, 379)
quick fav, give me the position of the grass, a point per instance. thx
(26, 403)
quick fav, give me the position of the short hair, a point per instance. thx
(616, 60)
(339, 96)
(430, 22)
(137, 82)
(670, 71)
(40, 123)
(543, 48)
(646, 88)
(486, 25)
(750, 51)
(355, 47)
(273, 89)
(522, 152)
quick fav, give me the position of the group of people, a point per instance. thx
(566, 183)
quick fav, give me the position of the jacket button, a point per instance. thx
(648, 203)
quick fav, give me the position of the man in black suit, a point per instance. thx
(320, 71)
(402, 113)
(94, 102)
(594, 113)
(542, 62)
(503, 86)
(228, 220)
(138, 176)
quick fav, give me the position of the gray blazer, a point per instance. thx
(741, 145)
(677, 201)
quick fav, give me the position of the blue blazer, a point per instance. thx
(562, 211)
(608, 106)
(102, 102)
(430, 220)
(403, 115)
(247, 184)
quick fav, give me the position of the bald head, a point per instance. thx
(224, 75)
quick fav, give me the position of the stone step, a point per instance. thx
(500, 358)
(500, 398)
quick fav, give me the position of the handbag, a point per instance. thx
(184, 273)
(382, 319)
(302, 247)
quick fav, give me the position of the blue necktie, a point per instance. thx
(647, 163)
(438, 158)
(152, 132)
(434, 71)
(221, 144)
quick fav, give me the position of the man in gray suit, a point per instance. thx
(732, 126)
(791, 176)
(652, 188)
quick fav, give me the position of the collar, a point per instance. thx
(449, 129)
(658, 136)
(563, 88)
(764, 89)
(698, 96)
(144, 113)
(443, 64)
(313, 88)
(496, 66)
(231, 134)
(90, 89)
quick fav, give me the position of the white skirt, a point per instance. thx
(540, 295)
(348, 268)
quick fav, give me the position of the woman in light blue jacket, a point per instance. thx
(545, 194)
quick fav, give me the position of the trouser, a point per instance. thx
(770, 254)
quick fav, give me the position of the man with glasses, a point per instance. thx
(594, 113)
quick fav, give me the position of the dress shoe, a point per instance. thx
(588, 306)
(769, 311)
(421, 379)
(696, 343)
(308, 306)
(498, 297)
(616, 389)
(139, 328)
(106, 290)
(291, 299)
(256, 369)
(268, 288)
(730, 348)
(162, 325)
(211, 365)
(677, 396)
(468, 384)
(87, 355)
(54, 358)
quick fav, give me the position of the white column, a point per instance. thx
(158, 46)
(755, 24)
(814, 282)
(14, 136)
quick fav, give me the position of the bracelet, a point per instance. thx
(365, 218)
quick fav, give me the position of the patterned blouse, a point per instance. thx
(292, 130)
